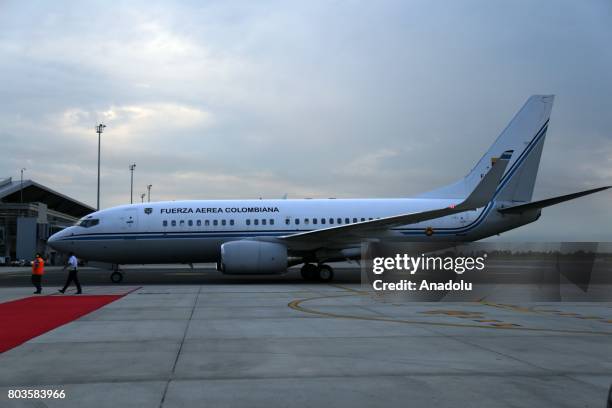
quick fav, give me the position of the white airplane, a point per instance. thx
(268, 236)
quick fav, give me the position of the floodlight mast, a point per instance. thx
(99, 130)
(132, 167)
(21, 186)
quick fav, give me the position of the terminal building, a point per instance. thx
(29, 214)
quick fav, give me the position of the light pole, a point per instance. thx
(132, 167)
(99, 130)
(149, 192)
(142, 196)
(21, 187)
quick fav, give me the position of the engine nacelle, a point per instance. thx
(253, 257)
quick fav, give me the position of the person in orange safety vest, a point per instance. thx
(38, 269)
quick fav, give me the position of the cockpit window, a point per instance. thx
(88, 222)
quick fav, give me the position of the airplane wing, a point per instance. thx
(535, 205)
(480, 196)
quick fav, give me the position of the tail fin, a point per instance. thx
(525, 135)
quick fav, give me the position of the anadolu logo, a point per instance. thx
(148, 210)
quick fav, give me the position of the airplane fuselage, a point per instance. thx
(193, 231)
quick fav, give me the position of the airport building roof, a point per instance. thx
(35, 192)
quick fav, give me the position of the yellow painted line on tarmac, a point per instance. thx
(297, 305)
(361, 292)
(475, 316)
(508, 307)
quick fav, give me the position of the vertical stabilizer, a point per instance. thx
(524, 135)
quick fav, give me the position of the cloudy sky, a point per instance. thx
(314, 99)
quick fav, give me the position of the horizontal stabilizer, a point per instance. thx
(518, 209)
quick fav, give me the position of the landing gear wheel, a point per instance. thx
(326, 273)
(116, 277)
(309, 272)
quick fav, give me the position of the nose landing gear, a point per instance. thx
(321, 272)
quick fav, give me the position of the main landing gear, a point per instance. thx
(322, 272)
(117, 275)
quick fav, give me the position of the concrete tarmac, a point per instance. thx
(215, 341)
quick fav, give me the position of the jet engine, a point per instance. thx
(253, 258)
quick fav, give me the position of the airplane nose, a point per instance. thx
(55, 241)
(52, 240)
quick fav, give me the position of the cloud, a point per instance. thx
(133, 123)
(316, 99)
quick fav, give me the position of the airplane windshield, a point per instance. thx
(89, 222)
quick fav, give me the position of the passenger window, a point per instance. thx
(362, 219)
(264, 222)
(322, 220)
(347, 220)
(248, 222)
(287, 221)
(190, 223)
(370, 219)
(173, 222)
(222, 222)
(215, 222)
(306, 221)
(331, 220)
(182, 223)
(256, 221)
(207, 223)
(231, 222)
(165, 223)
(314, 221)
(339, 220)
(199, 223)
(271, 221)
(354, 219)
(297, 221)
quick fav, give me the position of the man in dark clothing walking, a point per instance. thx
(72, 266)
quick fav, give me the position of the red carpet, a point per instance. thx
(23, 319)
